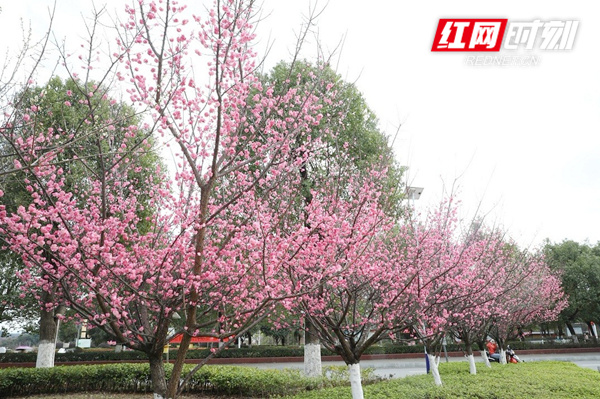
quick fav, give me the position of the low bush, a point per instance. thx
(253, 352)
(135, 378)
(111, 378)
(257, 351)
(77, 356)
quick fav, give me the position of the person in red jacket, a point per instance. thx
(492, 347)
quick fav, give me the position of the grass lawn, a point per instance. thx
(523, 380)
(96, 395)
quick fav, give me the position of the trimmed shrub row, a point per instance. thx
(63, 379)
(135, 378)
(254, 352)
(79, 356)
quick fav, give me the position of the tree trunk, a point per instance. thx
(190, 318)
(485, 358)
(157, 375)
(312, 344)
(502, 355)
(470, 357)
(483, 353)
(572, 331)
(47, 344)
(178, 365)
(501, 349)
(592, 329)
(355, 381)
(433, 364)
(312, 352)
(472, 367)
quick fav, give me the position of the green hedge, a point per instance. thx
(254, 352)
(548, 344)
(63, 379)
(135, 378)
(79, 356)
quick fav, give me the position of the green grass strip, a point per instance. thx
(524, 380)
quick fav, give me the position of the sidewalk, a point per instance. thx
(387, 366)
(402, 367)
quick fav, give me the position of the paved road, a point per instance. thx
(394, 368)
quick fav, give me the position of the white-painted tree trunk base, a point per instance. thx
(355, 381)
(472, 367)
(312, 360)
(485, 359)
(45, 355)
(433, 366)
(502, 356)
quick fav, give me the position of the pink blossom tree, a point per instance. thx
(363, 294)
(67, 107)
(466, 281)
(353, 145)
(532, 294)
(399, 278)
(220, 236)
(19, 63)
(482, 285)
(448, 278)
(490, 275)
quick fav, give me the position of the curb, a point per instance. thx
(299, 359)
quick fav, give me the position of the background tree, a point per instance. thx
(16, 306)
(579, 268)
(280, 335)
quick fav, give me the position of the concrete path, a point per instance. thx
(395, 368)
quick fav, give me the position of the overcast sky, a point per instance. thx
(522, 140)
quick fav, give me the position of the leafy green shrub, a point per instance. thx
(248, 381)
(253, 352)
(257, 351)
(549, 344)
(80, 356)
(111, 377)
(96, 355)
(135, 378)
